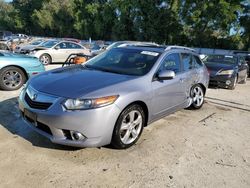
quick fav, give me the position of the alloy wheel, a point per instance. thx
(45, 59)
(131, 127)
(198, 96)
(12, 79)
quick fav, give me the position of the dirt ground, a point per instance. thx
(205, 148)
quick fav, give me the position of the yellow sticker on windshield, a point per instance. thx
(150, 53)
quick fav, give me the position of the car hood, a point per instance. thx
(213, 68)
(75, 81)
(37, 48)
(28, 47)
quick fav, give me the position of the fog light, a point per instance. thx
(77, 136)
(228, 82)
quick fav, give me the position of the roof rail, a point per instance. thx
(179, 47)
(145, 44)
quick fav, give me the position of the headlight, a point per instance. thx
(83, 104)
(32, 52)
(225, 72)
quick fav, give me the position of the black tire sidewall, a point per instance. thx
(116, 140)
(233, 86)
(4, 70)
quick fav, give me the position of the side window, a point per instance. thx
(171, 62)
(187, 61)
(242, 60)
(62, 45)
(73, 46)
(197, 62)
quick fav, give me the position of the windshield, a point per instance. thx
(114, 45)
(36, 42)
(124, 61)
(49, 43)
(224, 59)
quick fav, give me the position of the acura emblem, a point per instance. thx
(34, 96)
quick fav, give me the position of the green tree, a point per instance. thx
(55, 18)
(9, 18)
(207, 23)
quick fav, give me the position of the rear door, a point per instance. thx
(168, 93)
(191, 75)
(59, 53)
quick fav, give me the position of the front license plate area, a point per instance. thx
(30, 116)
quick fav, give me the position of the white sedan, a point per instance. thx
(55, 51)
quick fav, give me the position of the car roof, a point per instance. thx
(144, 48)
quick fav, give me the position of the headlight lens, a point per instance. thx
(83, 104)
(32, 52)
(225, 72)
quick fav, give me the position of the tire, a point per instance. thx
(244, 81)
(12, 78)
(127, 131)
(197, 97)
(232, 87)
(45, 59)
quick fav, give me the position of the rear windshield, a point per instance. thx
(224, 59)
(125, 61)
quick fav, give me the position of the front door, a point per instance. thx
(168, 94)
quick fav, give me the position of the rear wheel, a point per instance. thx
(196, 99)
(12, 78)
(129, 127)
(45, 59)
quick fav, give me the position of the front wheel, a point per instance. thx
(45, 59)
(244, 81)
(11, 78)
(196, 99)
(129, 127)
(234, 83)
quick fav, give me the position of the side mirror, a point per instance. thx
(166, 75)
(57, 47)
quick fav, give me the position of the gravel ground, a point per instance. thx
(204, 148)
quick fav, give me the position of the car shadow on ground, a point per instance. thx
(11, 120)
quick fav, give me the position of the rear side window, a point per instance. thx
(197, 62)
(171, 62)
(187, 61)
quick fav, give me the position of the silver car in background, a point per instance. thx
(56, 51)
(114, 95)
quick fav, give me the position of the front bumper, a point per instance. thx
(224, 81)
(55, 123)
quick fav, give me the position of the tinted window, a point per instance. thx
(62, 45)
(197, 62)
(224, 59)
(187, 61)
(73, 46)
(171, 62)
(1, 54)
(125, 61)
(49, 44)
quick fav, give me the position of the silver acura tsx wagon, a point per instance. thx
(111, 98)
